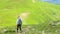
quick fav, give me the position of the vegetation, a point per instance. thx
(41, 13)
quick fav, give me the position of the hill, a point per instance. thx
(32, 12)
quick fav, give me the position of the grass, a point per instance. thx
(41, 13)
(34, 29)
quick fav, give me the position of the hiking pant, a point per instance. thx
(18, 27)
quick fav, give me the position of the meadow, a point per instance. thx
(36, 17)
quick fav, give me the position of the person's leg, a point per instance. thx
(20, 27)
(17, 28)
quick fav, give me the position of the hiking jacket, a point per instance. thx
(19, 21)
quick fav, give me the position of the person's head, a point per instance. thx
(18, 17)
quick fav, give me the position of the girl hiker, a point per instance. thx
(19, 23)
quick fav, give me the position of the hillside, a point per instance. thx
(35, 12)
(40, 12)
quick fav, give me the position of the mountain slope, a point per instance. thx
(40, 12)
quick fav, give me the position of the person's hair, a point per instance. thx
(18, 16)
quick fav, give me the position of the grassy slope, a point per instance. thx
(41, 12)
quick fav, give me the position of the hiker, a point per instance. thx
(19, 23)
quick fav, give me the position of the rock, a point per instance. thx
(43, 32)
(33, 29)
(28, 26)
(58, 23)
(4, 30)
(54, 23)
(56, 31)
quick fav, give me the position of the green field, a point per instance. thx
(38, 20)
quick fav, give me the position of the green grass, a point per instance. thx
(34, 29)
(41, 13)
